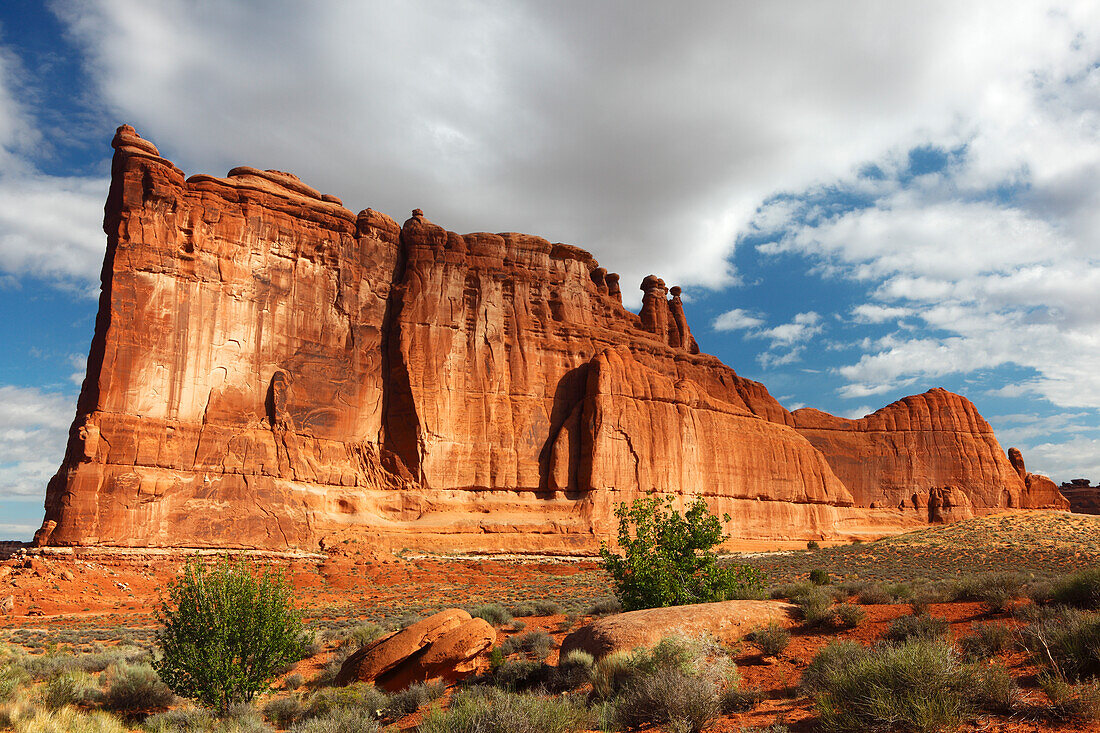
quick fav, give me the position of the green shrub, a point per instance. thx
(819, 576)
(813, 545)
(362, 697)
(816, 609)
(771, 640)
(339, 720)
(874, 594)
(284, 711)
(1068, 644)
(668, 558)
(919, 686)
(992, 688)
(605, 607)
(833, 656)
(494, 613)
(237, 719)
(69, 720)
(611, 673)
(668, 695)
(181, 720)
(363, 634)
(522, 609)
(12, 677)
(1074, 703)
(490, 710)
(911, 628)
(848, 615)
(1080, 590)
(546, 608)
(133, 687)
(534, 644)
(227, 632)
(995, 591)
(414, 697)
(987, 641)
(75, 687)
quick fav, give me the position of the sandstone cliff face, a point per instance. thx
(270, 370)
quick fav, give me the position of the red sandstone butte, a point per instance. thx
(271, 370)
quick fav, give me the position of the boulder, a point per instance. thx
(727, 621)
(443, 646)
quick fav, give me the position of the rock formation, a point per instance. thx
(1039, 491)
(1083, 497)
(270, 370)
(726, 621)
(445, 646)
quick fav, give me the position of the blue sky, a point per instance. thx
(861, 200)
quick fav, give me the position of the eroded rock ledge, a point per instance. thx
(271, 370)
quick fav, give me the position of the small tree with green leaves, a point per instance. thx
(669, 557)
(228, 631)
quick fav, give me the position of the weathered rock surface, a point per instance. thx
(727, 621)
(1083, 497)
(1039, 491)
(271, 370)
(444, 646)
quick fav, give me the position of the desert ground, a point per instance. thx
(69, 604)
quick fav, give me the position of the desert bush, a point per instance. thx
(361, 696)
(813, 545)
(848, 615)
(12, 677)
(771, 640)
(992, 688)
(226, 632)
(339, 720)
(181, 720)
(819, 576)
(792, 591)
(534, 644)
(69, 720)
(283, 711)
(75, 687)
(494, 613)
(414, 697)
(491, 710)
(874, 594)
(522, 609)
(815, 609)
(1068, 644)
(1075, 703)
(604, 607)
(669, 559)
(833, 656)
(995, 591)
(133, 687)
(546, 608)
(987, 641)
(1079, 590)
(910, 628)
(669, 696)
(363, 634)
(610, 674)
(294, 681)
(918, 686)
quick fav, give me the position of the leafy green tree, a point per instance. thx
(228, 631)
(668, 558)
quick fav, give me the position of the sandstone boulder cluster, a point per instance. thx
(271, 370)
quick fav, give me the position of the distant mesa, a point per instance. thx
(271, 370)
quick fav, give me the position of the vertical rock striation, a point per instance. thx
(271, 370)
